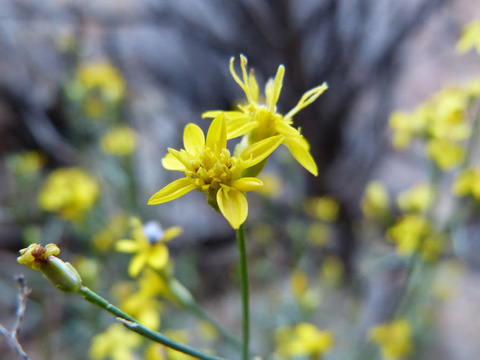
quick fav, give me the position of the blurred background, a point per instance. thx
(73, 72)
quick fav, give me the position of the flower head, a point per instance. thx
(104, 78)
(120, 141)
(470, 38)
(151, 252)
(257, 120)
(35, 255)
(68, 192)
(210, 169)
(116, 343)
(375, 202)
(394, 339)
(303, 340)
(417, 199)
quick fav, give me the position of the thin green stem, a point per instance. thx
(244, 285)
(135, 326)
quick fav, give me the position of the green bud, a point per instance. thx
(62, 275)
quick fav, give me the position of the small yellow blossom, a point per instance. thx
(120, 141)
(394, 339)
(26, 163)
(259, 121)
(114, 229)
(470, 37)
(116, 343)
(36, 255)
(104, 78)
(272, 185)
(417, 199)
(62, 275)
(209, 168)
(68, 192)
(324, 208)
(375, 202)
(144, 308)
(407, 125)
(468, 183)
(303, 340)
(408, 233)
(151, 252)
(445, 154)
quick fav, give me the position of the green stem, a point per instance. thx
(244, 285)
(133, 325)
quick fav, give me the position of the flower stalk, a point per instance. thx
(244, 289)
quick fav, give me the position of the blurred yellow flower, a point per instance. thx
(324, 208)
(26, 163)
(272, 185)
(299, 283)
(144, 307)
(114, 229)
(317, 234)
(308, 340)
(120, 141)
(445, 154)
(468, 183)
(259, 121)
(470, 38)
(394, 339)
(151, 252)
(68, 192)
(104, 78)
(116, 343)
(375, 203)
(408, 233)
(210, 169)
(417, 199)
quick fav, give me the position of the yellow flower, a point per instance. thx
(375, 202)
(325, 208)
(114, 229)
(62, 275)
(394, 339)
(444, 153)
(408, 233)
(120, 141)
(470, 37)
(272, 185)
(104, 78)
(26, 163)
(151, 252)
(259, 121)
(116, 343)
(468, 183)
(210, 169)
(143, 307)
(317, 234)
(407, 125)
(417, 199)
(36, 255)
(68, 192)
(308, 340)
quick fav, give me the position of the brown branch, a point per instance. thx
(11, 336)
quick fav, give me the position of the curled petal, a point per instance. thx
(184, 157)
(233, 205)
(253, 85)
(170, 162)
(172, 191)
(193, 139)
(309, 97)
(247, 184)
(277, 88)
(217, 133)
(297, 148)
(258, 151)
(283, 128)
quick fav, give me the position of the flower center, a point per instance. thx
(266, 124)
(211, 169)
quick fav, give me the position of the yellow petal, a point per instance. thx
(170, 162)
(240, 126)
(233, 205)
(217, 133)
(184, 157)
(283, 128)
(229, 114)
(297, 148)
(277, 88)
(309, 97)
(253, 85)
(127, 246)
(193, 139)
(172, 191)
(137, 263)
(158, 256)
(247, 184)
(172, 233)
(258, 151)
